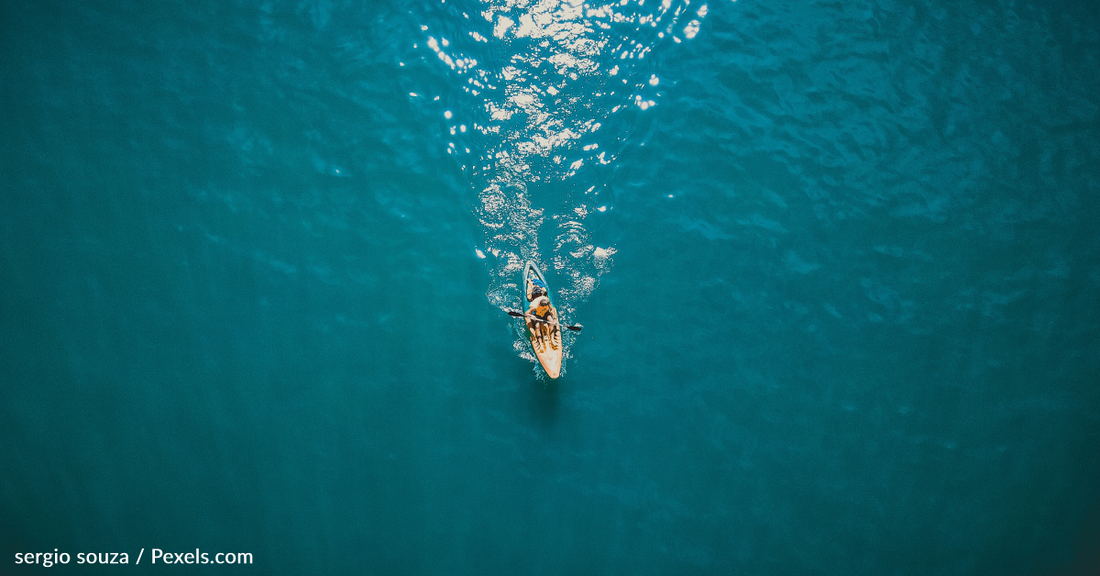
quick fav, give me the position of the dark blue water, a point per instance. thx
(837, 264)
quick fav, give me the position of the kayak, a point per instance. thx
(547, 349)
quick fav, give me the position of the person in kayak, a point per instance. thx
(542, 320)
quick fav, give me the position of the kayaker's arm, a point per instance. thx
(518, 314)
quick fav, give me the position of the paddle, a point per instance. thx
(519, 314)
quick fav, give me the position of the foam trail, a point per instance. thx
(549, 106)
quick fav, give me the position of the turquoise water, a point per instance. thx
(837, 266)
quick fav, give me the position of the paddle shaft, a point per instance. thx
(518, 314)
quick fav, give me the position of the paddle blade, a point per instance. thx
(576, 327)
(515, 313)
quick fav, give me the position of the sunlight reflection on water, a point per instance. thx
(545, 77)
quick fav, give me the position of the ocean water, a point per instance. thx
(837, 265)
